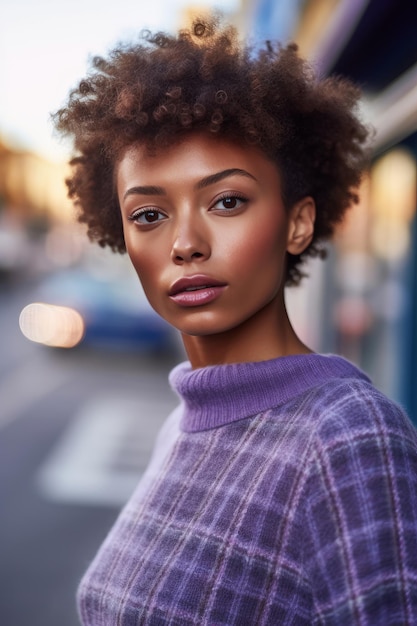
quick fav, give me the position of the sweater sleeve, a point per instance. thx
(360, 512)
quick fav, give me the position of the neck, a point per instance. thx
(266, 335)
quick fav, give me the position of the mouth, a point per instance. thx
(192, 291)
(194, 283)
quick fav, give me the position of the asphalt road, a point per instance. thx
(76, 431)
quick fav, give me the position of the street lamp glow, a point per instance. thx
(51, 325)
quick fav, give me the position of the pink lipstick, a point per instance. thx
(196, 290)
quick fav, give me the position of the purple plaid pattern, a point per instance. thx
(280, 493)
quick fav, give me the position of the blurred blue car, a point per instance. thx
(112, 304)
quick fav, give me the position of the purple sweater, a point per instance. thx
(281, 492)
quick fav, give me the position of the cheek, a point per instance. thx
(142, 263)
(264, 246)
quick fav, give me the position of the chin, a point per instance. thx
(206, 330)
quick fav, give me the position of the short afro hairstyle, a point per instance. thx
(205, 79)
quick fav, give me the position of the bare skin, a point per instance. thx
(251, 341)
(208, 234)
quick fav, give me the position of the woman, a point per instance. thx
(283, 490)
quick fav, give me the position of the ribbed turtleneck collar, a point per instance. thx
(217, 395)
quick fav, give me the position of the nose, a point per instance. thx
(191, 242)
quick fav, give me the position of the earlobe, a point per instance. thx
(301, 225)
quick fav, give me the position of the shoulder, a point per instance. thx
(360, 441)
(353, 407)
(363, 451)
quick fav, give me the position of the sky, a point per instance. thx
(44, 51)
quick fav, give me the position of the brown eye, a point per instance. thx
(229, 203)
(147, 216)
(151, 216)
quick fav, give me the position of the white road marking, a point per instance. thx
(103, 452)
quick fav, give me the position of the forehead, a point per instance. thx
(191, 157)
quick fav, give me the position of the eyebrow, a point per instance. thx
(218, 176)
(145, 190)
(153, 190)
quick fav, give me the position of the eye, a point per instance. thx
(147, 216)
(229, 202)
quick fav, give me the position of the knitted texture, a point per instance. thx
(282, 492)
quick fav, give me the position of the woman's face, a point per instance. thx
(206, 230)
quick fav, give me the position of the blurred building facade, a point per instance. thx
(33, 207)
(365, 298)
(30, 185)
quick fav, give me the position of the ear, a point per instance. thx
(301, 225)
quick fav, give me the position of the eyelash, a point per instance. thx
(137, 214)
(230, 196)
(226, 196)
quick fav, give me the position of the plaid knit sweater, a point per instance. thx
(281, 492)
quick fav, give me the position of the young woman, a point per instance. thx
(283, 490)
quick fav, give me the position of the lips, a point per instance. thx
(194, 291)
(194, 283)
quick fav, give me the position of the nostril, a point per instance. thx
(185, 256)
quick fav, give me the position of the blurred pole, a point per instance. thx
(408, 335)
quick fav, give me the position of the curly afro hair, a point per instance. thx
(205, 79)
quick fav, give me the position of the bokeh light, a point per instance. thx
(393, 202)
(51, 325)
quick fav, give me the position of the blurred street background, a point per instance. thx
(83, 358)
